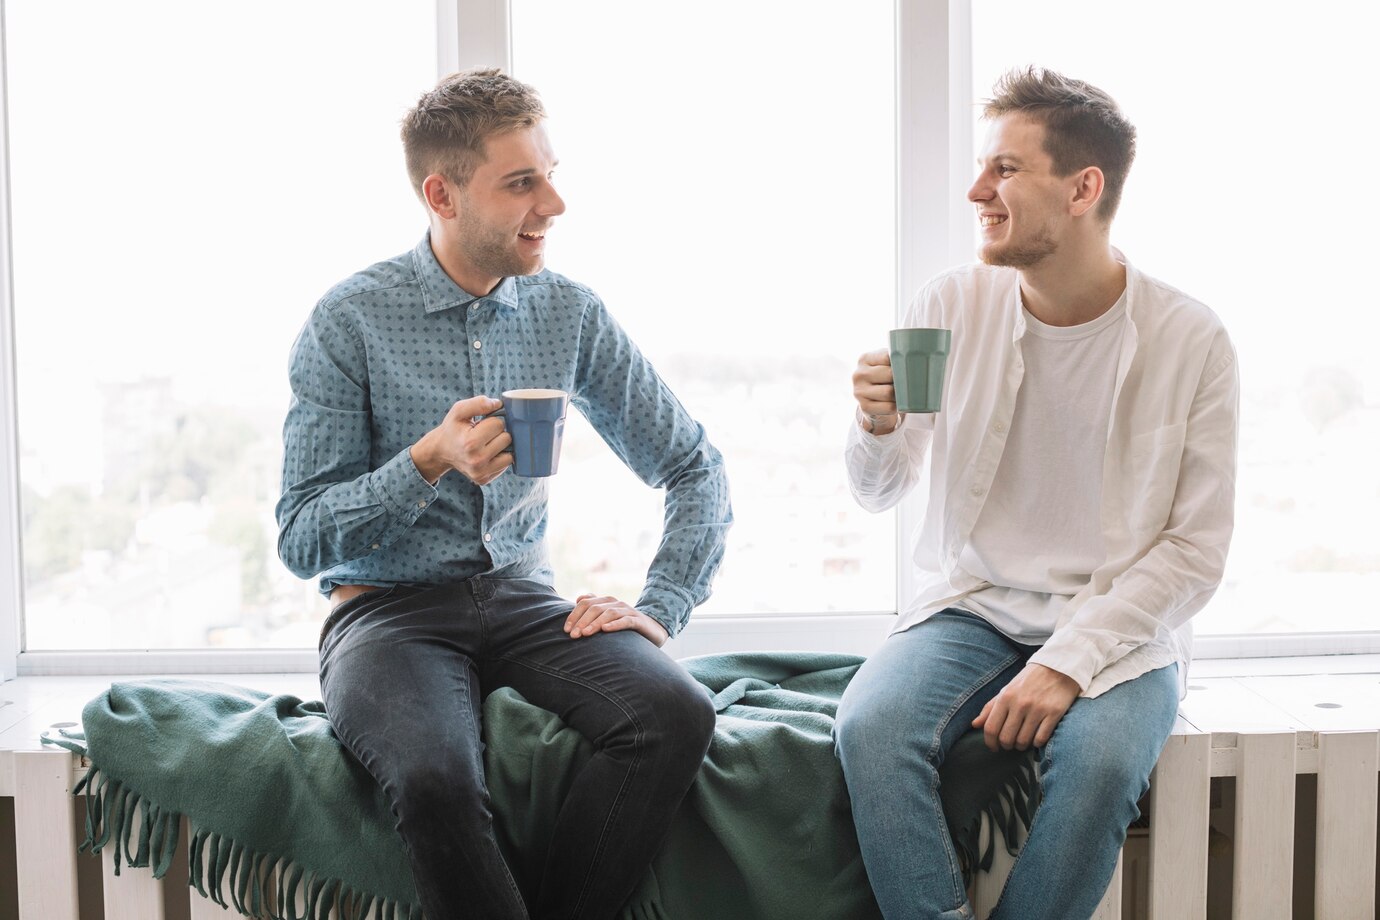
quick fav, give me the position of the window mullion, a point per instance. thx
(934, 155)
(484, 41)
(11, 581)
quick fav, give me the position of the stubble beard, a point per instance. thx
(1021, 255)
(492, 250)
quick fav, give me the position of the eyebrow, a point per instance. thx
(1009, 157)
(529, 171)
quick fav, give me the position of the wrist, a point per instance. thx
(427, 461)
(880, 423)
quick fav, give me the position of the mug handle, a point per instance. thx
(476, 419)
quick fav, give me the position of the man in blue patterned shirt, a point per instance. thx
(396, 491)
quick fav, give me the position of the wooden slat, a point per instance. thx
(1179, 829)
(45, 835)
(988, 885)
(1263, 873)
(1344, 886)
(134, 894)
(1110, 908)
(206, 909)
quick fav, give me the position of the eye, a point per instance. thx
(522, 183)
(1005, 169)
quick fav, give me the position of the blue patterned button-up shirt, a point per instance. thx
(384, 356)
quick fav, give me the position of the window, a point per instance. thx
(186, 181)
(1244, 194)
(729, 176)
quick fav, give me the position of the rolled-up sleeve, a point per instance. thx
(641, 420)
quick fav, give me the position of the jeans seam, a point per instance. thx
(954, 870)
(617, 806)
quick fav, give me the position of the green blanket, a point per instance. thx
(764, 833)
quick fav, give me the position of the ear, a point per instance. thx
(1088, 184)
(440, 196)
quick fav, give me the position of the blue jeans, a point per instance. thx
(907, 706)
(403, 674)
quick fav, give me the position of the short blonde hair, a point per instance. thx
(1083, 126)
(445, 132)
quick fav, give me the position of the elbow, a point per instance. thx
(295, 559)
(297, 556)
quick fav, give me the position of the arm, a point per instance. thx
(884, 450)
(646, 426)
(334, 507)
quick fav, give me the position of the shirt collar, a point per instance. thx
(439, 292)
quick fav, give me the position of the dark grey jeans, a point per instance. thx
(403, 674)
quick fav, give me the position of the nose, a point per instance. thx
(981, 189)
(552, 204)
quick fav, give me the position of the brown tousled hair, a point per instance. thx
(1083, 126)
(445, 131)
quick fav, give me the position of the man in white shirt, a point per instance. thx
(1081, 491)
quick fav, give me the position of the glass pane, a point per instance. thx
(1239, 117)
(729, 175)
(187, 180)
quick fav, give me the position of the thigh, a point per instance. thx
(596, 684)
(927, 684)
(397, 667)
(1121, 732)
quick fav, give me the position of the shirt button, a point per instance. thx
(488, 538)
(476, 343)
(475, 305)
(373, 546)
(421, 504)
(999, 427)
(976, 490)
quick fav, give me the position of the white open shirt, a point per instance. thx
(1168, 483)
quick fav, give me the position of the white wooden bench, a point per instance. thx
(1259, 738)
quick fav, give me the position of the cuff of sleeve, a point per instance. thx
(666, 604)
(401, 488)
(1071, 655)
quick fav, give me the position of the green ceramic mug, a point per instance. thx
(917, 367)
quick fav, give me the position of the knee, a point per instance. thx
(1102, 778)
(862, 727)
(691, 720)
(423, 790)
(678, 724)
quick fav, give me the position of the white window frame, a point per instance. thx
(934, 231)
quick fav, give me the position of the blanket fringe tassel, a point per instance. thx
(1009, 813)
(259, 885)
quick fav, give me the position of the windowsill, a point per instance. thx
(1281, 667)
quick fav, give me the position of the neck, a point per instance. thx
(1073, 286)
(448, 255)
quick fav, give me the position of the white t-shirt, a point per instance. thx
(1039, 537)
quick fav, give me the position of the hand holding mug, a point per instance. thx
(875, 392)
(476, 450)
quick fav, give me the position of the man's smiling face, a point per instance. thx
(1021, 205)
(505, 209)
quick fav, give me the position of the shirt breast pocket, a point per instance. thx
(1152, 473)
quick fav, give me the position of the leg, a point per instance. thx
(650, 725)
(1093, 771)
(386, 661)
(906, 707)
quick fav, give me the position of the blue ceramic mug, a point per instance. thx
(536, 421)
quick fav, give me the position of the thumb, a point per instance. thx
(475, 405)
